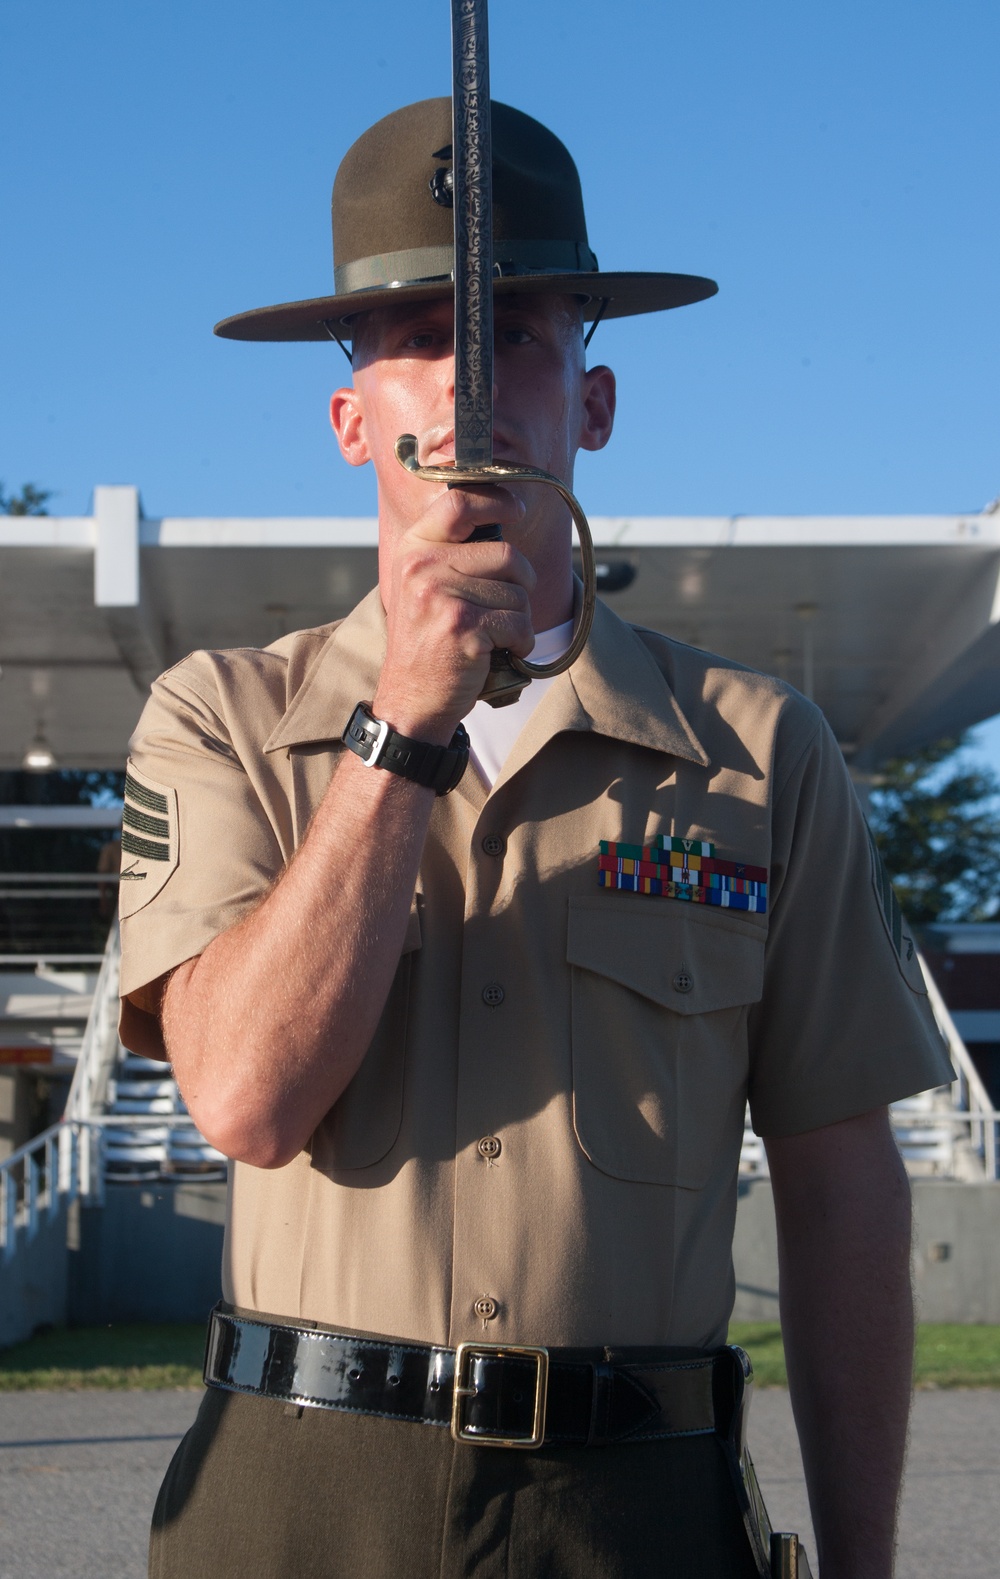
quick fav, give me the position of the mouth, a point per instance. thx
(436, 447)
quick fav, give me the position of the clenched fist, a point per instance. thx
(448, 605)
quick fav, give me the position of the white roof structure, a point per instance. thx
(892, 623)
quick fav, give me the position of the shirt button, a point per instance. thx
(683, 981)
(493, 994)
(489, 1147)
(485, 1308)
(494, 845)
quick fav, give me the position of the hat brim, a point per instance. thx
(626, 295)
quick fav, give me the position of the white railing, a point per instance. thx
(99, 1049)
(58, 1166)
(64, 1164)
(978, 1132)
(972, 1104)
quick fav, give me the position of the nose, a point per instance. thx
(449, 364)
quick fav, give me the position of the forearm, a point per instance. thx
(266, 1028)
(268, 1025)
(843, 1207)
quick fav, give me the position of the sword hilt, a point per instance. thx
(509, 674)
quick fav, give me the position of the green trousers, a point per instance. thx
(264, 1490)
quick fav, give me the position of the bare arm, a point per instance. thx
(842, 1202)
(268, 1025)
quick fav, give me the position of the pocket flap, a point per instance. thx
(669, 951)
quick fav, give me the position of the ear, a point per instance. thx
(599, 396)
(347, 422)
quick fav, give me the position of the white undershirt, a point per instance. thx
(493, 730)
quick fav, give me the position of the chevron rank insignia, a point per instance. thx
(683, 869)
(150, 846)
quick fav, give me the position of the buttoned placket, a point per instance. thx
(481, 1300)
(619, 694)
(487, 1198)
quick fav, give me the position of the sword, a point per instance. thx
(472, 167)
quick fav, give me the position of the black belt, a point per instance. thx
(497, 1395)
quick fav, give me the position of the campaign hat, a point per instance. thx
(393, 230)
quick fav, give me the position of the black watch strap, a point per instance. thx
(378, 745)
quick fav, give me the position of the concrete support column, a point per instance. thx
(118, 584)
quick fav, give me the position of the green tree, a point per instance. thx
(30, 501)
(936, 820)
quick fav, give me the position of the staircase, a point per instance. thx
(148, 1134)
(165, 1146)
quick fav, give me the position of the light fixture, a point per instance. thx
(613, 575)
(39, 757)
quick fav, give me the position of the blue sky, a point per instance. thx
(835, 168)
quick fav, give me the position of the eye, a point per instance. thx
(420, 340)
(516, 335)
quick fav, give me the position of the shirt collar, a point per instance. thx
(345, 673)
(615, 688)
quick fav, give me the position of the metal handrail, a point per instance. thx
(64, 1162)
(59, 877)
(139, 1120)
(99, 1048)
(43, 961)
(904, 1119)
(972, 1096)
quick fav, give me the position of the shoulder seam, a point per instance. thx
(816, 730)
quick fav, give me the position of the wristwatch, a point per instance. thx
(378, 745)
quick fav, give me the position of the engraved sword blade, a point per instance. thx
(472, 165)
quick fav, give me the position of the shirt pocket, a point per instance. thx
(660, 993)
(361, 1127)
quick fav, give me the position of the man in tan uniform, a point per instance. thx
(479, 1034)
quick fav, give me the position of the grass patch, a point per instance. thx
(957, 1356)
(762, 1341)
(170, 1355)
(126, 1356)
(947, 1355)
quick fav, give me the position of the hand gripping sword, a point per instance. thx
(472, 166)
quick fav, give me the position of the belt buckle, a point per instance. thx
(464, 1354)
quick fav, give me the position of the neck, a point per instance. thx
(552, 601)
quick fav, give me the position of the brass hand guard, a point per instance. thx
(509, 674)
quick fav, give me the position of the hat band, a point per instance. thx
(421, 265)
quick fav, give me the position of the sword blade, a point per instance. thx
(472, 165)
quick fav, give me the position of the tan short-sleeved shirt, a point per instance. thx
(549, 1118)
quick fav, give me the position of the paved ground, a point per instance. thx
(79, 1472)
(948, 1524)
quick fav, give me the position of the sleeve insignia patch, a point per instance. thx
(150, 843)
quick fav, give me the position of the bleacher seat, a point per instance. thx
(147, 1153)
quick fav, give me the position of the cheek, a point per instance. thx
(405, 403)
